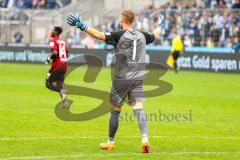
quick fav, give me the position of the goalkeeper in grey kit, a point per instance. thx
(129, 70)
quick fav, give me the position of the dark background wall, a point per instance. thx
(215, 62)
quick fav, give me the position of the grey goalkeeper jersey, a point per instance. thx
(130, 50)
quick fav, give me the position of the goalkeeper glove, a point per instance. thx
(73, 20)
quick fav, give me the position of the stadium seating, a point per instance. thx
(200, 23)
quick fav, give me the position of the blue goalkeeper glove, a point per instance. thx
(161, 22)
(75, 21)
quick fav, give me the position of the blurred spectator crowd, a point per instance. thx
(200, 23)
(34, 4)
(210, 23)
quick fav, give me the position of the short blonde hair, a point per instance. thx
(128, 16)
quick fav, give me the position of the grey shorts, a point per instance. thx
(133, 89)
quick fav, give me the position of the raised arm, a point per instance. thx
(96, 34)
(75, 21)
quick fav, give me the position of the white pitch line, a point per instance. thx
(120, 154)
(47, 138)
(195, 137)
(120, 137)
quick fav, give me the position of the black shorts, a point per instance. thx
(176, 55)
(54, 80)
(133, 89)
(56, 76)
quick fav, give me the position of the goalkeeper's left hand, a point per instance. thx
(161, 21)
(74, 20)
(161, 26)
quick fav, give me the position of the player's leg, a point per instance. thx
(54, 82)
(142, 124)
(62, 91)
(118, 93)
(47, 81)
(113, 126)
(135, 99)
(113, 123)
(61, 73)
(176, 55)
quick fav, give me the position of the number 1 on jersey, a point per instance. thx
(134, 50)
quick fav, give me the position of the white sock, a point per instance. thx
(63, 93)
(110, 142)
(144, 140)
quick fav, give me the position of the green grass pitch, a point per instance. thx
(29, 128)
